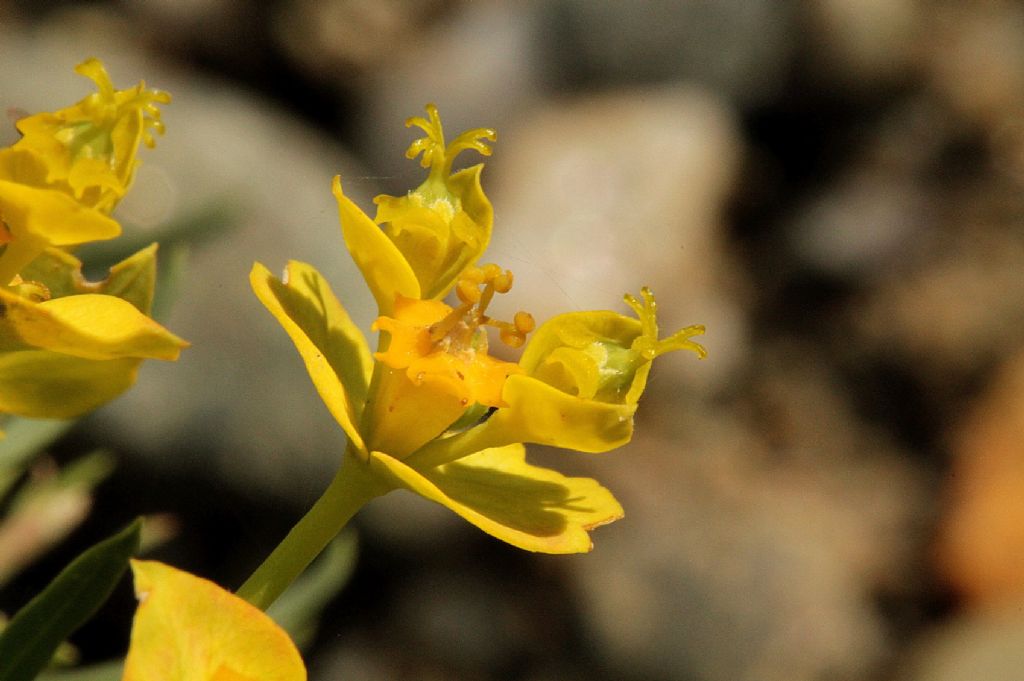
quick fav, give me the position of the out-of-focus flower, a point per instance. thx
(432, 411)
(68, 345)
(189, 629)
(87, 150)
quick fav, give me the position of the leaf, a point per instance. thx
(103, 671)
(29, 641)
(299, 608)
(25, 437)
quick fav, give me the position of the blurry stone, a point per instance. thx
(478, 65)
(756, 535)
(975, 58)
(339, 38)
(864, 43)
(980, 548)
(987, 646)
(458, 615)
(956, 301)
(865, 220)
(738, 49)
(597, 196)
(238, 404)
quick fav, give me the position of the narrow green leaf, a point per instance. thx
(298, 609)
(25, 437)
(29, 641)
(103, 671)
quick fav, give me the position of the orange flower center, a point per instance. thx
(448, 346)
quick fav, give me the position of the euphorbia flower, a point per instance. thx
(59, 182)
(434, 232)
(68, 345)
(434, 413)
(87, 150)
(189, 629)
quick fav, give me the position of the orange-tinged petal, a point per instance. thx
(533, 508)
(189, 629)
(404, 415)
(457, 367)
(334, 350)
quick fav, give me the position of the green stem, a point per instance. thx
(352, 487)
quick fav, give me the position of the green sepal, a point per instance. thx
(133, 279)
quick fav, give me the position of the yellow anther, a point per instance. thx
(490, 271)
(475, 289)
(524, 322)
(467, 291)
(503, 282)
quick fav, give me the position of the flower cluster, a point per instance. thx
(432, 411)
(67, 344)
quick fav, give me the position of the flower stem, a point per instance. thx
(352, 487)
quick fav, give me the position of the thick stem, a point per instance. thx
(352, 487)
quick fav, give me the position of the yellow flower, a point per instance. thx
(430, 235)
(580, 379)
(87, 150)
(432, 411)
(189, 629)
(68, 345)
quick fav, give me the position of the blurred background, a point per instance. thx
(833, 187)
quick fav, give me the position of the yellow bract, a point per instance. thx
(431, 235)
(189, 629)
(439, 416)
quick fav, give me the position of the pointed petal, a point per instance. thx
(335, 352)
(43, 384)
(189, 629)
(533, 508)
(384, 268)
(92, 326)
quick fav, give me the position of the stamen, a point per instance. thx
(475, 289)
